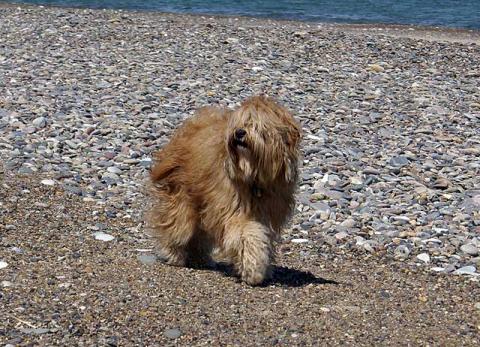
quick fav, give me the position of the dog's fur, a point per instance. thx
(218, 187)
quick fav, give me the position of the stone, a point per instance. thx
(465, 270)
(399, 161)
(424, 257)
(441, 183)
(376, 68)
(348, 223)
(341, 235)
(174, 333)
(147, 259)
(402, 252)
(35, 331)
(103, 237)
(470, 249)
(299, 240)
(39, 122)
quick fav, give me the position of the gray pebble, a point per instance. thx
(147, 259)
(40, 122)
(402, 252)
(399, 161)
(469, 249)
(173, 333)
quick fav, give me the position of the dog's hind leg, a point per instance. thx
(249, 245)
(173, 222)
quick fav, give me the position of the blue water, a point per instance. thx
(445, 13)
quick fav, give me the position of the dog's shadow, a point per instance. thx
(282, 276)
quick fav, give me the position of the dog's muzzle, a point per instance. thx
(239, 138)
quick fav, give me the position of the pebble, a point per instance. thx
(424, 257)
(147, 259)
(399, 161)
(469, 249)
(103, 237)
(437, 269)
(35, 331)
(7, 284)
(3, 264)
(174, 333)
(402, 252)
(299, 241)
(465, 270)
(40, 122)
(348, 223)
(341, 235)
(48, 182)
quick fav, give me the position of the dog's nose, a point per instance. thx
(240, 134)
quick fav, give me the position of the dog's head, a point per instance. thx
(262, 142)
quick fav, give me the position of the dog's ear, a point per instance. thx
(292, 141)
(230, 166)
(291, 169)
(292, 136)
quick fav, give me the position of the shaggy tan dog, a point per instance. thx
(226, 183)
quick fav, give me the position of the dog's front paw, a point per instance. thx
(253, 277)
(171, 257)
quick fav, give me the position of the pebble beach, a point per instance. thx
(388, 212)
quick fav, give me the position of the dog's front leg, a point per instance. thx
(250, 246)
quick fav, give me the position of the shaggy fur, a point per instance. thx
(225, 183)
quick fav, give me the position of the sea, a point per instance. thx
(438, 13)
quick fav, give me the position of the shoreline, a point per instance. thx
(412, 31)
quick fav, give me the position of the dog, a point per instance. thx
(225, 185)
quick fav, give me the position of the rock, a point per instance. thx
(173, 333)
(6, 284)
(437, 269)
(402, 252)
(299, 240)
(39, 122)
(3, 264)
(147, 259)
(470, 249)
(301, 34)
(232, 40)
(35, 331)
(376, 68)
(441, 183)
(103, 237)
(424, 257)
(341, 235)
(399, 161)
(48, 182)
(114, 170)
(348, 223)
(466, 270)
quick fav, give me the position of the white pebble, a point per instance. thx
(424, 257)
(437, 269)
(466, 270)
(3, 264)
(103, 237)
(299, 241)
(48, 182)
